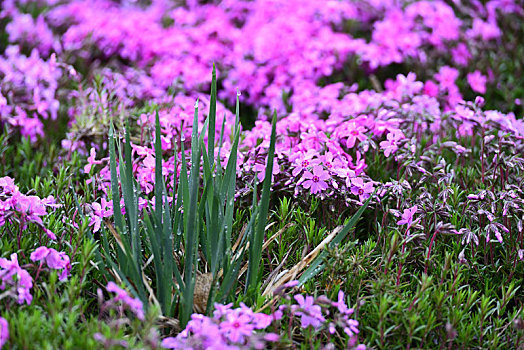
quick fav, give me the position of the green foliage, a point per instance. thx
(200, 220)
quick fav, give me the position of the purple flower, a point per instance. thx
(477, 81)
(54, 259)
(361, 189)
(407, 217)
(19, 279)
(354, 132)
(100, 211)
(311, 314)
(237, 326)
(91, 160)
(341, 304)
(4, 331)
(351, 327)
(134, 304)
(446, 76)
(390, 145)
(304, 161)
(316, 180)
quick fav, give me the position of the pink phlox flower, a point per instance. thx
(8, 185)
(349, 175)
(50, 201)
(430, 88)
(4, 332)
(313, 139)
(260, 169)
(354, 132)
(488, 214)
(332, 162)
(340, 304)
(29, 205)
(134, 304)
(351, 327)
(100, 211)
(446, 76)
(13, 275)
(91, 160)
(142, 151)
(477, 81)
(304, 161)
(461, 54)
(390, 145)
(310, 314)
(316, 180)
(221, 310)
(149, 162)
(486, 30)
(237, 326)
(361, 189)
(50, 233)
(407, 217)
(406, 85)
(54, 260)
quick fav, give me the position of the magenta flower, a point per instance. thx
(355, 132)
(390, 145)
(310, 314)
(11, 274)
(351, 327)
(340, 304)
(446, 76)
(477, 81)
(100, 211)
(91, 160)
(407, 217)
(461, 54)
(430, 88)
(4, 331)
(361, 189)
(260, 169)
(221, 310)
(237, 326)
(54, 259)
(134, 304)
(316, 180)
(303, 162)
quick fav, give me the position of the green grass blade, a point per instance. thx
(158, 170)
(114, 182)
(255, 248)
(192, 228)
(212, 118)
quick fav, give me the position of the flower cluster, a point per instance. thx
(15, 205)
(17, 279)
(55, 260)
(122, 300)
(166, 46)
(323, 314)
(28, 91)
(227, 329)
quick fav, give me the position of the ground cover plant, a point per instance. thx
(261, 174)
